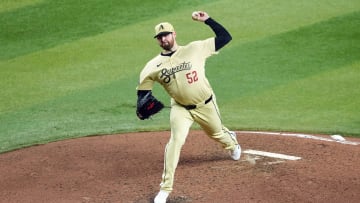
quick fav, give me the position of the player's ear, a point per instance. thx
(174, 34)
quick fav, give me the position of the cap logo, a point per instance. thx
(163, 28)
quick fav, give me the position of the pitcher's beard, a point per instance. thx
(166, 46)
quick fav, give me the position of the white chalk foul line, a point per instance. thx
(270, 154)
(302, 136)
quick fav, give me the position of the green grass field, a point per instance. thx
(69, 69)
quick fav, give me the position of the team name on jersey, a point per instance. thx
(167, 73)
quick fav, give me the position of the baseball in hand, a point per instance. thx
(196, 14)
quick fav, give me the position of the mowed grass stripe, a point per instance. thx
(290, 56)
(48, 23)
(251, 20)
(102, 110)
(280, 61)
(53, 22)
(327, 102)
(94, 61)
(7, 5)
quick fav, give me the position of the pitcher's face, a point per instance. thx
(166, 41)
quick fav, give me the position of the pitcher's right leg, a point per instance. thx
(180, 121)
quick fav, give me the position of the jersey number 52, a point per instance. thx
(192, 77)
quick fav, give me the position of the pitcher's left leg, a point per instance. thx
(208, 117)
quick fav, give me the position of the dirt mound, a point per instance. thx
(128, 167)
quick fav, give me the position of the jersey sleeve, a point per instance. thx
(205, 47)
(146, 80)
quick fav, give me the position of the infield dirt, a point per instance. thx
(127, 168)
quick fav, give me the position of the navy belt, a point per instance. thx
(193, 106)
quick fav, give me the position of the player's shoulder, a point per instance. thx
(199, 43)
(154, 61)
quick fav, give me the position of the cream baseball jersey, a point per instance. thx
(182, 74)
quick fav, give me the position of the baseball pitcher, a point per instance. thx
(181, 71)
